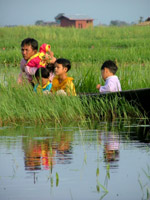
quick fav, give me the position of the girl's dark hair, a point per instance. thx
(110, 65)
(30, 41)
(65, 63)
(50, 67)
(42, 72)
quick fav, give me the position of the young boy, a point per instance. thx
(62, 84)
(112, 83)
(43, 85)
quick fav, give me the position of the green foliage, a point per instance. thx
(126, 44)
(21, 104)
(87, 49)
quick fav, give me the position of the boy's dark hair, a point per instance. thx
(50, 67)
(65, 63)
(42, 72)
(30, 41)
(110, 65)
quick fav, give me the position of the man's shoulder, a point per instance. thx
(23, 61)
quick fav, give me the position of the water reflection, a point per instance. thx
(44, 153)
(111, 148)
(39, 153)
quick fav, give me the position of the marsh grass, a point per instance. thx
(22, 104)
(87, 49)
(87, 76)
(126, 44)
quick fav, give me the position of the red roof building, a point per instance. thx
(77, 21)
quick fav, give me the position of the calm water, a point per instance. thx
(109, 161)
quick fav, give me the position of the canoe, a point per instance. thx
(138, 97)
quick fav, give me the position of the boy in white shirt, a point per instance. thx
(112, 83)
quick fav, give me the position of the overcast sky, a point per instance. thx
(27, 12)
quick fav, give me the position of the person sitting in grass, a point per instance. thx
(112, 83)
(43, 86)
(32, 60)
(62, 84)
(41, 59)
(29, 48)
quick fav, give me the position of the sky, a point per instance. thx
(27, 12)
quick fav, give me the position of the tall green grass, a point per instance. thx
(126, 44)
(22, 104)
(87, 49)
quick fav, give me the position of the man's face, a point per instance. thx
(27, 52)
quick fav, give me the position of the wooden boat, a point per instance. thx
(138, 97)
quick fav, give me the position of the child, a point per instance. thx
(112, 83)
(42, 76)
(50, 67)
(32, 60)
(62, 84)
(40, 59)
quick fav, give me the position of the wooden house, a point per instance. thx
(77, 21)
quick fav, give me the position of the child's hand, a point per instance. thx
(98, 86)
(53, 59)
(47, 57)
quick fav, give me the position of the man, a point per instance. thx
(29, 48)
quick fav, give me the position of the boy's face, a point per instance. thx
(27, 52)
(105, 73)
(59, 69)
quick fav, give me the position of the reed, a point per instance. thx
(87, 50)
(22, 104)
(125, 44)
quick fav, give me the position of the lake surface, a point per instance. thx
(106, 161)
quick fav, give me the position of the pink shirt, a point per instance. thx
(112, 84)
(26, 71)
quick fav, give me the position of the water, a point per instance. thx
(109, 161)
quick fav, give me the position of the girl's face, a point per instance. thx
(59, 69)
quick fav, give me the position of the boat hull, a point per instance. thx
(139, 97)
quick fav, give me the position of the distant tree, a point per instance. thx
(118, 23)
(141, 19)
(39, 22)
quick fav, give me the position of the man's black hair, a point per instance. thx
(110, 65)
(30, 41)
(42, 72)
(65, 63)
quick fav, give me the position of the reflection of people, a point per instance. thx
(112, 83)
(111, 148)
(37, 154)
(63, 84)
(43, 153)
(33, 157)
(64, 150)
